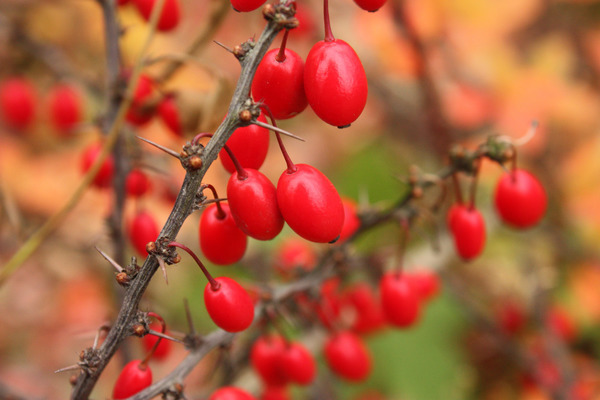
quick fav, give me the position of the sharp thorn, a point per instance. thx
(160, 147)
(276, 129)
(110, 260)
(223, 46)
(162, 335)
(163, 267)
(69, 368)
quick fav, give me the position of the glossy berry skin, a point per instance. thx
(230, 307)
(468, 230)
(335, 82)
(351, 220)
(253, 204)
(18, 102)
(132, 379)
(169, 114)
(298, 364)
(280, 84)
(164, 347)
(369, 316)
(221, 241)
(310, 204)
(249, 145)
(246, 5)
(137, 115)
(65, 109)
(347, 356)
(399, 300)
(103, 178)
(370, 5)
(137, 183)
(520, 199)
(265, 357)
(143, 229)
(169, 17)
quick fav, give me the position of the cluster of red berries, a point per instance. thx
(19, 105)
(520, 201)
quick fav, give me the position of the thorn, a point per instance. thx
(210, 201)
(110, 260)
(223, 46)
(103, 328)
(160, 147)
(276, 129)
(162, 335)
(163, 266)
(69, 368)
(188, 314)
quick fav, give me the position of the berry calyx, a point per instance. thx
(468, 230)
(135, 377)
(399, 299)
(142, 229)
(103, 178)
(279, 82)
(347, 356)
(250, 145)
(65, 109)
(520, 199)
(335, 82)
(228, 304)
(18, 102)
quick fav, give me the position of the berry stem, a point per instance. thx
(291, 167)
(280, 57)
(242, 174)
(220, 212)
(214, 285)
(402, 248)
(457, 191)
(328, 33)
(162, 330)
(474, 184)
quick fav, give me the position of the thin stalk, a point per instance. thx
(328, 33)
(474, 185)
(291, 167)
(280, 57)
(220, 212)
(214, 285)
(153, 349)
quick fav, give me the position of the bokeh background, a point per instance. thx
(470, 69)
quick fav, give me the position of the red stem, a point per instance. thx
(242, 174)
(457, 191)
(214, 285)
(474, 185)
(402, 247)
(328, 33)
(153, 349)
(280, 57)
(291, 167)
(220, 212)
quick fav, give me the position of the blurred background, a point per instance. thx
(441, 73)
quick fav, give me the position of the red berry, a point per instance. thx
(143, 229)
(103, 178)
(561, 323)
(310, 204)
(368, 312)
(134, 377)
(169, 114)
(248, 194)
(426, 282)
(279, 83)
(294, 253)
(230, 393)
(468, 229)
(298, 364)
(335, 82)
(65, 109)
(351, 220)
(164, 347)
(17, 103)
(399, 299)
(370, 5)
(169, 17)
(510, 317)
(138, 114)
(347, 356)
(137, 183)
(249, 145)
(275, 393)
(265, 357)
(246, 5)
(221, 241)
(520, 199)
(230, 306)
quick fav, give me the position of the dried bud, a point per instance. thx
(122, 278)
(195, 162)
(150, 247)
(417, 192)
(183, 153)
(245, 116)
(176, 259)
(269, 11)
(139, 330)
(73, 380)
(238, 51)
